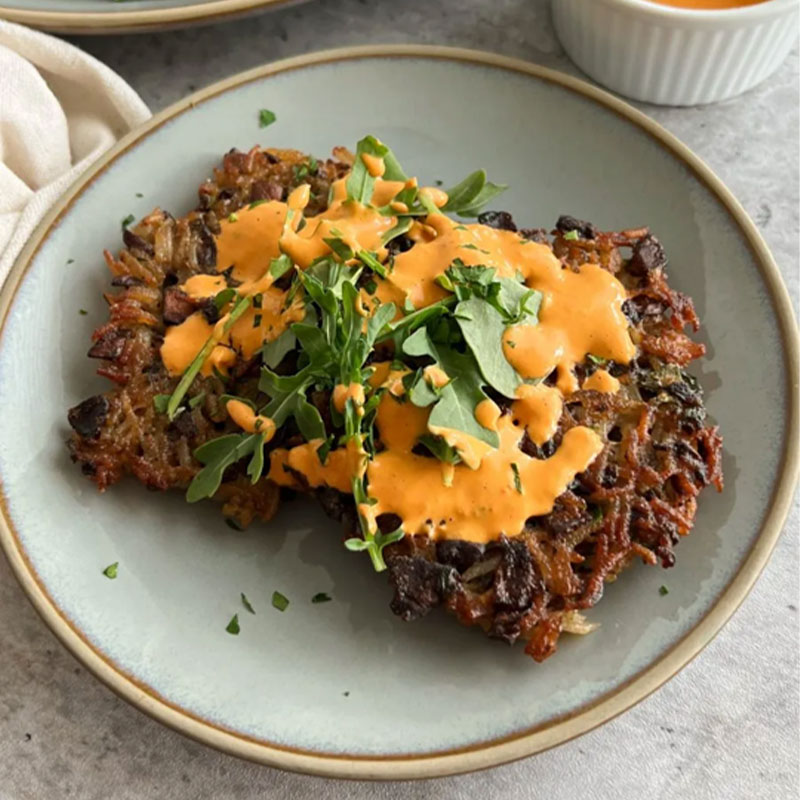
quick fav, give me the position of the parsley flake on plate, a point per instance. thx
(233, 626)
(266, 118)
(280, 601)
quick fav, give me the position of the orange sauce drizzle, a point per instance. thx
(338, 471)
(248, 420)
(250, 241)
(341, 394)
(477, 499)
(480, 503)
(602, 381)
(374, 164)
(538, 409)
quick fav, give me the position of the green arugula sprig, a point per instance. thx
(373, 542)
(174, 402)
(466, 198)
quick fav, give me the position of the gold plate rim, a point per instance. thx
(154, 19)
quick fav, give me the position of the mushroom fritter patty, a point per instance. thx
(120, 431)
(637, 498)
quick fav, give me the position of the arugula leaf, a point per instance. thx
(360, 184)
(439, 448)
(487, 193)
(515, 302)
(403, 226)
(216, 456)
(279, 266)
(420, 392)
(483, 329)
(224, 297)
(256, 465)
(464, 193)
(468, 197)
(272, 353)
(378, 323)
(370, 260)
(373, 543)
(340, 248)
(416, 319)
(455, 408)
(309, 420)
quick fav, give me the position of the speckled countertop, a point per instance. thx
(723, 728)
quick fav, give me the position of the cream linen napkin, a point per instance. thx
(59, 110)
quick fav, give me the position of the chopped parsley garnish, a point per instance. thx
(321, 597)
(193, 401)
(233, 626)
(160, 403)
(571, 236)
(127, 221)
(662, 590)
(233, 217)
(266, 118)
(111, 570)
(517, 479)
(83, 312)
(280, 601)
(246, 603)
(70, 261)
(597, 360)
(139, 194)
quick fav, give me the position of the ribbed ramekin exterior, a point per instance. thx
(670, 60)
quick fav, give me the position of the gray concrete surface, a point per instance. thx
(63, 735)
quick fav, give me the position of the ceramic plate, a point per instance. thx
(345, 688)
(114, 16)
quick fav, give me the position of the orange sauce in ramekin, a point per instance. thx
(707, 5)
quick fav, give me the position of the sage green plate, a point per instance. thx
(130, 16)
(344, 688)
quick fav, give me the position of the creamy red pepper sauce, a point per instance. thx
(494, 489)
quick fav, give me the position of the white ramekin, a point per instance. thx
(676, 56)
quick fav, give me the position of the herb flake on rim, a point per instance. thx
(321, 597)
(246, 603)
(111, 570)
